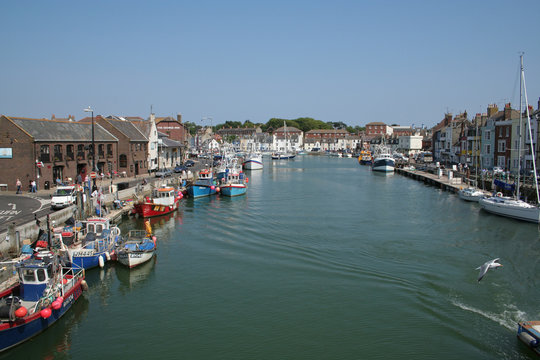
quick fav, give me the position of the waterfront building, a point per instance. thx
(46, 150)
(169, 152)
(326, 139)
(132, 144)
(488, 138)
(173, 128)
(410, 144)
(503, 137)
(294, 139)
(378, 128)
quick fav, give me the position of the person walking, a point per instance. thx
(34, 188)
(18, 184)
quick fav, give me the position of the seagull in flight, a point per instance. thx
(492, 264)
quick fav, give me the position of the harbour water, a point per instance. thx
(323, 259)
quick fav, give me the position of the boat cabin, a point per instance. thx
(34, 276)
(164, 196)
(205, 174)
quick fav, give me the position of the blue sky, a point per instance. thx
(402, 62)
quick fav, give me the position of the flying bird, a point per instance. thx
(492, 264)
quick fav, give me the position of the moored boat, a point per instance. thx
(471, 194)
(137, 247)
(253, 162)
(91, 246)
(45, 292)
(383, 160)
(164, 201)
(234, 183)
(365, 157)
(510, 207)
(205, 185)
(529, 333)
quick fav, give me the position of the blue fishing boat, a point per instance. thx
(205, 185)
(45, 292)
(91, 246)
(529, 333)
(234, 183)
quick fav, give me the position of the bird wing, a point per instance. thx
(483, 270)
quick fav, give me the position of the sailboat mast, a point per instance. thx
(533, 154)
(520, 121)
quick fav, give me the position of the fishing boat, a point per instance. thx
(382, 159)
(164, 201)
(253, 161)
(286, 152)
(205, 185)
(46, 291)
(137, 247)
(529, 333)
(234, 183)
(365, 157)
(90, 246)
(514, 207)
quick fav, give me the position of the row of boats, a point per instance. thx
(381, 160)
(50, 276)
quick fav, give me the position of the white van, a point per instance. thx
(64, 196)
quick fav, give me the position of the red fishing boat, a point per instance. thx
(164, 201)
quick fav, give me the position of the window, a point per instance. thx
(507, 131)
(28, 275)
(488, 149)
(123, 161)
(80, 152)
(501, 146)
(488, 135)
(41, 275)
(57, 152)
(44, 155)
(69, 152)
(101, 150)
(501, 161)
(109, 150)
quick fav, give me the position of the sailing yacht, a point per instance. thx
(508, 206)
(287, 154)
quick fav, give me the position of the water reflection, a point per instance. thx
(135, 277)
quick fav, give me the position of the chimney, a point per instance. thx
(492, 110)
(53, 117)
(179, 118)
(507, 111)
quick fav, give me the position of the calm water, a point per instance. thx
(323, 259)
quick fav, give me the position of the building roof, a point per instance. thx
(375, 123)
(127, 128)
(54, 130)
(327, 131)
(171, 143)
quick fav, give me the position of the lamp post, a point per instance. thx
(90, 110)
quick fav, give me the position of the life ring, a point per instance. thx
(499, 194)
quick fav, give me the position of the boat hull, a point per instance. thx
(15, 333)
(283, 157)
(197, 191)
(134, 258)
(233, 190)
(383, 165)
(252, 165)
(472, 195)
(152, 209)
(511, 208)
(529, 333)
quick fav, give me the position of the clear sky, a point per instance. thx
(400, 62)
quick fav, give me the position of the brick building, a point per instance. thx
(132, 144)
(173, 128)
(378, 128)
(45, 150)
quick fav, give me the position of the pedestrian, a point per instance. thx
(19, 185)
(79, 179)
(34, 187)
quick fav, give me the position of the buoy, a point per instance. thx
(45, 313)
(21, 312)
(56, 304)
(247, 179)
(528, 339)
(84, 285)
(108, 256)
(101, 261)
(60, 299)
(218, 189)
(212, 187)
(64, 281)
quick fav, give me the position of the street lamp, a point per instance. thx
(90, 110)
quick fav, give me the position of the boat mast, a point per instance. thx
(520, 121)
(533, 155)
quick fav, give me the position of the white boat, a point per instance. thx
(471, 194)
(138, 247)
(253, 161)
(383, 159)
(287, 153)
(515, 207)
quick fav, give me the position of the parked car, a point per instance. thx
(164, 173)
(189, 163)
(64, 196)
(179, 168)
